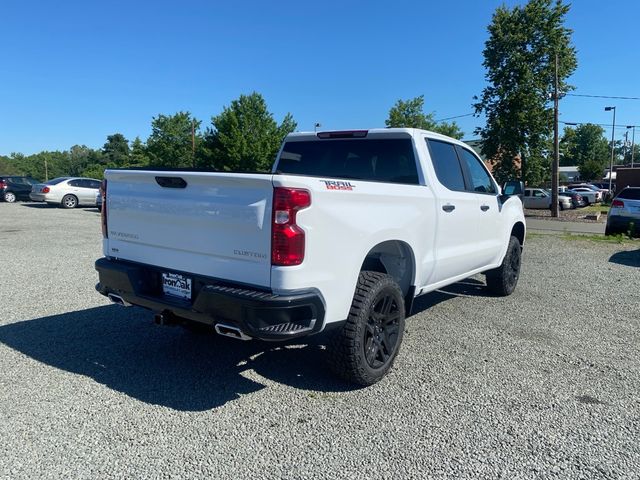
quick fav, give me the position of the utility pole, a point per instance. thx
(626, 146)
(46, 171)
(613, 147)
(193, 142)
(556, 149)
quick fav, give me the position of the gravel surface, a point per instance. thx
(542, 384)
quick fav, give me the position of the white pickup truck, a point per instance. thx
(340, 238)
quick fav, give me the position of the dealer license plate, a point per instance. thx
(176, 285)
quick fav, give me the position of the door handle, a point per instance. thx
(448, 208)
(484, 208)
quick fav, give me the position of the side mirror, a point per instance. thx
(513, 187)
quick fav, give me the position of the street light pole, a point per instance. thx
(613, 131)
(633, 142)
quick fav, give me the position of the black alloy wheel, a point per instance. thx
(381, 332)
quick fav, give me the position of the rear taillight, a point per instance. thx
(287, 238)
(2, 184)
(45, 190)
(103, 211)
(617, 204)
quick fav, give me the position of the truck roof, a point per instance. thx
(372, 132)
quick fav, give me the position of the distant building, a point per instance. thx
(476, 144)
(571, 173)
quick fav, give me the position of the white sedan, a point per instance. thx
(68, 192)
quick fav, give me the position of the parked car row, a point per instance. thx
(67, 192)
(571, 196)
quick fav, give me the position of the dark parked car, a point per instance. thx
(576, 199)
(14, 187)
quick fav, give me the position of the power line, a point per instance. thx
(600, 124)
(457, 116)
(601, 96)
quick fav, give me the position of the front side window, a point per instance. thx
(446, 164)
(480, 179)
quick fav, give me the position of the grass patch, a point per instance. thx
(613, 239)
(595, 209)
(616, 239)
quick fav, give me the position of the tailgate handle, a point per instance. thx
(171, 182)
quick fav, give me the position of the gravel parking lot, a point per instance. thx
(543, 384)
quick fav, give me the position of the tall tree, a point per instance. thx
(139, 156)
(586, 147)
(410, 114)
(245, 136)
(169, 144)
(519, 57)
(116, 150)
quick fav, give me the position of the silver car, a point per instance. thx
(624, 215)
(540, 198)
(69, 192)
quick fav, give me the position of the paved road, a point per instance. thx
(537, 224)
(541, 384)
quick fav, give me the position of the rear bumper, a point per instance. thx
(621, 224)
(257, 313)
(37, 197)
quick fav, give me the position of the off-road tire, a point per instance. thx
(502, 281)
(69, 201)
(364, 349)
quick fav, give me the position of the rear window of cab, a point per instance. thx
(389, 160)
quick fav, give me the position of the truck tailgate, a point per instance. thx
(217, 225)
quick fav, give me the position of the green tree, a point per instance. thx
(245, 136)
(116, 150)
(8, 166)
(139, 156)
(586, 147)
(169, 144)
(519, 58)
(410, 114)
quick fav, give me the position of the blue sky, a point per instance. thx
(75, 72)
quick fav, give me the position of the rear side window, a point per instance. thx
(480, 179)
(380, 160)
(75, 183)
(630, 194)
(446, 164)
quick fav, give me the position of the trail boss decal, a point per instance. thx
(338, 185)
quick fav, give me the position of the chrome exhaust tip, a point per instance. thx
(117, 299)
(230, 331)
